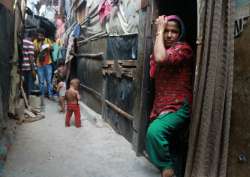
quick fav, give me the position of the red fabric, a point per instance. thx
(70, 109)
(104, 9)
(173, 82)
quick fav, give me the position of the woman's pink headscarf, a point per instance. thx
(178, 19)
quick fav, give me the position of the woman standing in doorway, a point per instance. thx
(171, 66)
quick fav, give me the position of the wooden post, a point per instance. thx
(142, 79)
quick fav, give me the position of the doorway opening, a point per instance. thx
(187, 11)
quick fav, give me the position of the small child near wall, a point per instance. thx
(72, 97)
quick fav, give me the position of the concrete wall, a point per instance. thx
(239, 147)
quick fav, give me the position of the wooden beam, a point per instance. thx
(90, 90)
(98, 35)
(91, 55)
(119, 110)
(123, 63)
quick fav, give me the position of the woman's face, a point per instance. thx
(171, 33)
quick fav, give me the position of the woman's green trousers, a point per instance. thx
(161, 131)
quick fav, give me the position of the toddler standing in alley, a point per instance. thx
(72, 98)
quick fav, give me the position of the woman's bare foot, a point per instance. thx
(167, 173)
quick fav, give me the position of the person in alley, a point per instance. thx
(27, 63)
(171, 67)
(72, 97)
(44, 62)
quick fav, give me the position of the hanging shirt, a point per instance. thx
(104, 9)
(28, 51)
(173, 79)
(56, 54)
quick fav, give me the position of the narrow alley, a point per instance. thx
(47, 148)
(152, 88)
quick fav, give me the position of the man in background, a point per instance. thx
(44, 62)
(27, 64)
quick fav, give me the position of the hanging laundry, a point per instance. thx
(76, 31)
(124, 18)
(70, 49)
(60, 26)
(105, 8)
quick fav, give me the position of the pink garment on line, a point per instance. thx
(104, 9)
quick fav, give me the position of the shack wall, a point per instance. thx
(105, 87)
(6, 52)
(239, 147)
(107, 64)
(89, 71)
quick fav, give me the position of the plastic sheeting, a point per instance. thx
(31, 21)
(48, 12)
(122, 20)
(34, 22)
(32, 5)
(74, 34)
(240, 3)
(92, 24)
(67, 7)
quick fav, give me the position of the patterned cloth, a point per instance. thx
(173, 82)
(104, 9)
(28, 52)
